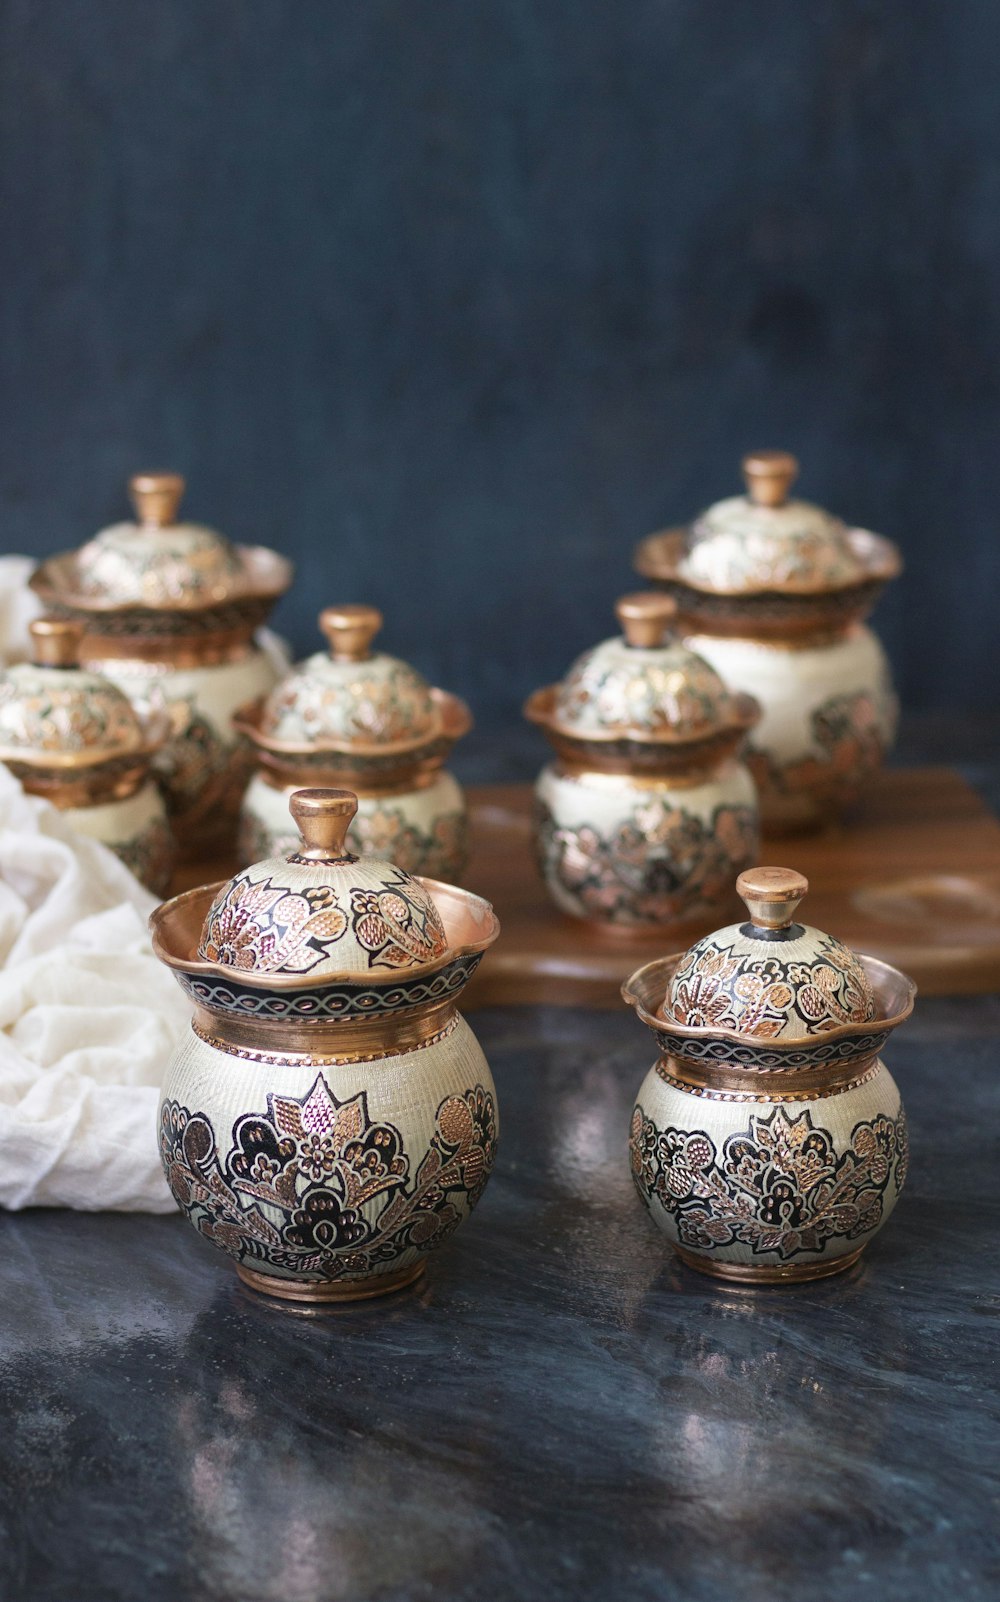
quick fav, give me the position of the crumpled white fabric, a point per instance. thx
(18, 605)
(88, 1019)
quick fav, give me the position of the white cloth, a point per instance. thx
(18, 605)
(88, 1019)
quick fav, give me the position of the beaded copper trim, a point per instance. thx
(817, 1093)
(311, 1059)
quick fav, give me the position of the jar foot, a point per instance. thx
(356, 1290)
(769, 1273)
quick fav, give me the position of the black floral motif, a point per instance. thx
(661, 865)
(316, 1188)
(779, 1186)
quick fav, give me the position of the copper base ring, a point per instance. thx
(769, 1273)
(342, 1290)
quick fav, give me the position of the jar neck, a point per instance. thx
(326, 1041)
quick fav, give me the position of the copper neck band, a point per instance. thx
(361, 1040)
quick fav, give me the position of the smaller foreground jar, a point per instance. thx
(647, 812)
(351, 716)
(331, 1117)
(73, 737)
(769, 1141)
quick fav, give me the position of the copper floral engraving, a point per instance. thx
(319, 1190)
(717, 986)
(660, 865)
(778, 1186)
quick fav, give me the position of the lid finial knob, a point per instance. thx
(156, 498)
(55, 641)
(769, 476)
(772, 895)
(350, 631)
(646, 617)
(323, 818)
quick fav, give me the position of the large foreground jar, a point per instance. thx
(72, 736)
(768, 1141)
(647, 812)
(773, 592)
(361, 718)
(176, 605)
(331, 1117)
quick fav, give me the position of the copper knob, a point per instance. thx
(350, 631)
(772, 895)
(323, 818)
(56, 641)
(156, 497)
(646, 618)
(769, 476)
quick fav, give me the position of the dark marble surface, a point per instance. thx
(563, 1411)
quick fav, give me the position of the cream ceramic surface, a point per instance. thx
(829, 716)
(665, 689)
(46, 711)
(629, 851)
(327, 1171)
(136, 830)
(766, 1183)
(205, 767)
(146, 565)
(422, 831)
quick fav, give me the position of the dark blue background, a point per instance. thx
(453, 300)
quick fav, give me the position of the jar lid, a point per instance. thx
(161, 566)
(764, 540)
(771, 977)
(322, 910)
(643, 684)
(350, 694)
(54, 712)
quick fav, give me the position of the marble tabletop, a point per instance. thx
(563, 1412)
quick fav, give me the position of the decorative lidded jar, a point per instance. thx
(72, 736)
(177, 605)
(647, 811)
(769, 1141)
(774, 593)
(331, 1117)
(357, 717)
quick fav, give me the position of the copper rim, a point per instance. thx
(768, 1273)
(470, 924)
(452, 720)
(331, 1041)
(267, 576)
(625, 750)
(356, 1290)
(659, 557)
(646, 989)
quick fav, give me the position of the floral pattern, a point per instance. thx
(394, 927)
(49, 710)
(649, 691)
(737, 546)
(170, 566)
(661, 865)
(731, 981)
(381, 700)
(778, 1186)
(849, 740)
(315, 1189)
(268, 928)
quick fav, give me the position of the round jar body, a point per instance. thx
(136, 830)
(204, 768)
(829, 716)
(328, 1178)
(422, 831)
(754, 1187)
(643, 852)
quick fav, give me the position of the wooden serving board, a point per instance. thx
(913, 877)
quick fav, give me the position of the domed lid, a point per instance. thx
(52, 710)
(157, 561)
(643, 683)
(350, 694)
(764, 541)
(322, 910)
(771, 977)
